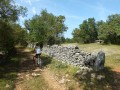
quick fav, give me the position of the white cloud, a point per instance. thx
(27, 1)
(98, 7)
(75, 17)
(34, 10)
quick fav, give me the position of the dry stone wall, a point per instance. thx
(73, 55)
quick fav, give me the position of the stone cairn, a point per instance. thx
(74, 56)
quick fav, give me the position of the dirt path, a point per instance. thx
(52, 80)
(28, 71)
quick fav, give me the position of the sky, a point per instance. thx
(75, 11)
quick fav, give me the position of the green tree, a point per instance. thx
(110, 30)
(84, 32)
(76, 35)
(87, 31)
(9, 11)
(69, 40)
(19, 34)
(92, 28)
(46, 28)
(62, 39)
(6, 38)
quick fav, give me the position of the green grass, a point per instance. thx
(95, 47)
(109, 49)
(112, 62)
(8, 73)
(62, 70)
(112, 52)
(36, 83)
(9, 70)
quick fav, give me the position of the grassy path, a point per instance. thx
(53, 76)
(28, 75)
(33, 78)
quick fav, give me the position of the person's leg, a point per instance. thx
(40, 62)
(35, 59)
(38, 57)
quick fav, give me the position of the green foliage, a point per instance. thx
(10, 35)
(8, 73)
(63, 39)
(51, 40)
(6, 38)
(87, 32)
(20, 35)
(103, 32)
(46, 28)
(68, 40)
(62, 68)
(61, 65)
(84, 32)
(110, 30)
(76, 35)
(90, 30)
(9, 11)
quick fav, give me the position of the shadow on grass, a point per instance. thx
(110, 81)
(11, 66)
(27, 62)
(46, 60)
(8, 72)
(21, 62)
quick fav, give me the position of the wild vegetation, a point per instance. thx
(111, 71)
(90, 30)
(49, 29)
(46, 28)
(9, 29)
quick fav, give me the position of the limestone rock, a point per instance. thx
(71, 54)
(100, 60)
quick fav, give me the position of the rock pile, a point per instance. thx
(73, 55)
